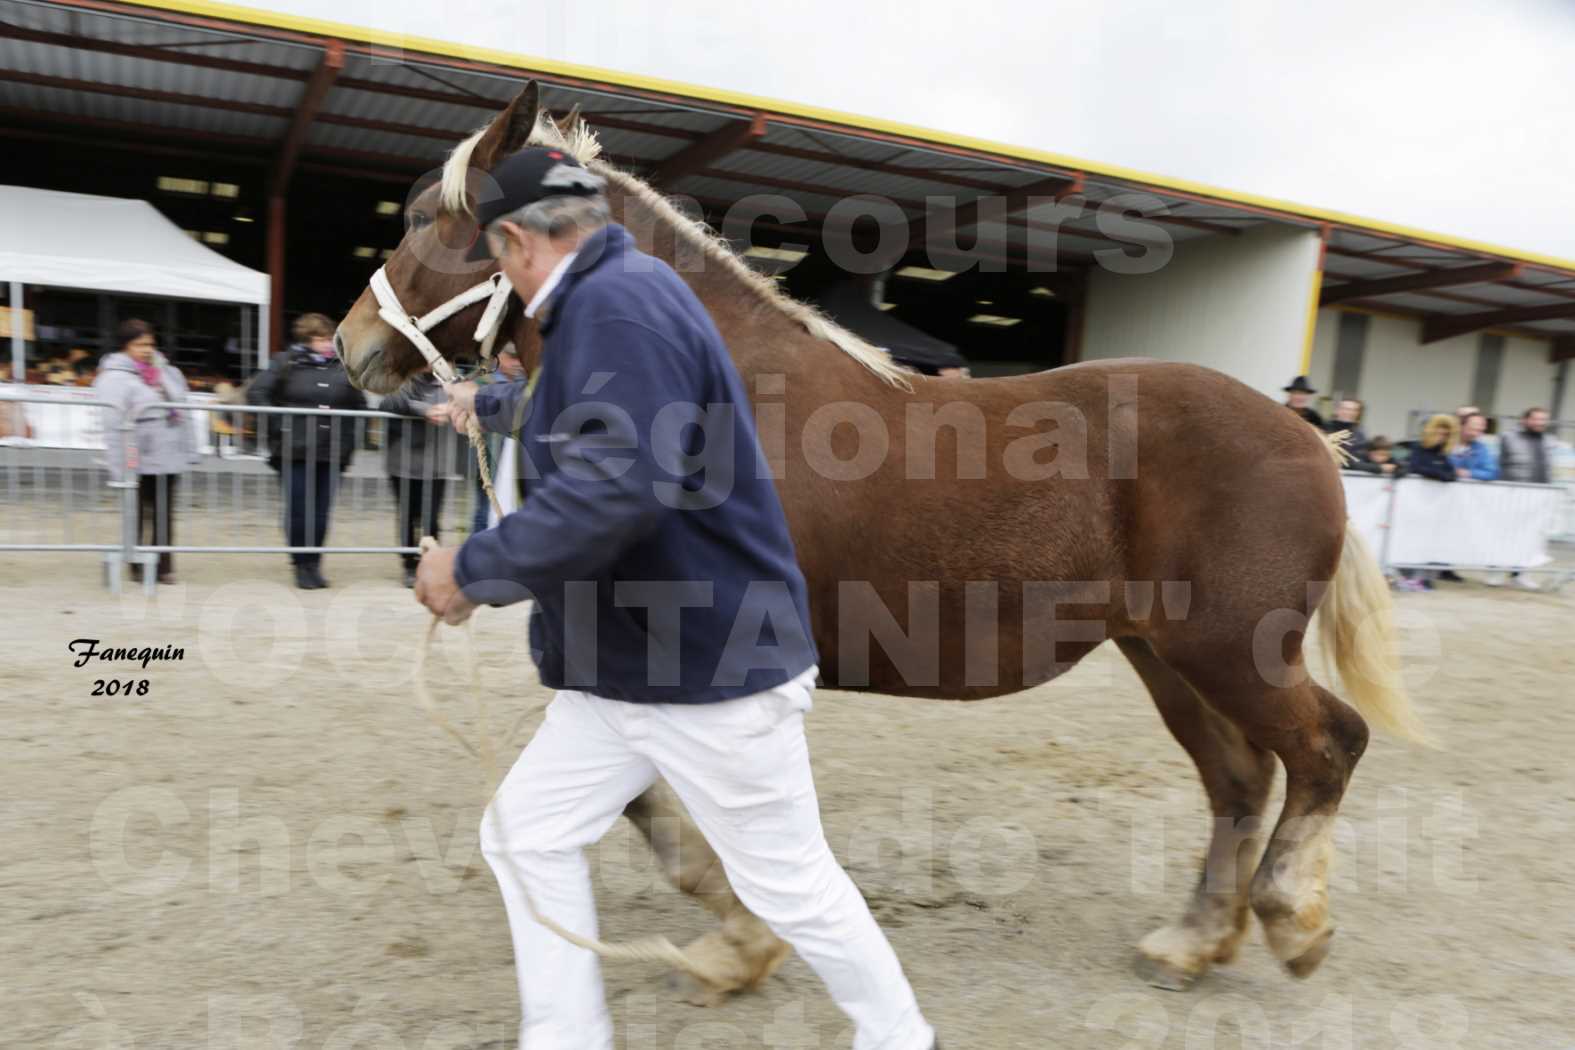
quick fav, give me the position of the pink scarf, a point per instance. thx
(152, 376)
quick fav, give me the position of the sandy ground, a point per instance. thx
(273, 849)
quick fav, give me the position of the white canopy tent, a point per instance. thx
(111, 244)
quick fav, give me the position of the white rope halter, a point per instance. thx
(496, 289)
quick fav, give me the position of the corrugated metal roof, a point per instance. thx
(744, 163)
(120, 70)
(416, 148)
(455, 121)
(648, 149)
(704, 187)
(447, 102)
(1564, 327)
(96, 106)
(1429, 304)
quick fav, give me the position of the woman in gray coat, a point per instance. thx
(423, 455)
(163, 444)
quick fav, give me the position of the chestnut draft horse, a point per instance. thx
(1167, 480)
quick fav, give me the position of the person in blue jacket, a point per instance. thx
(1474, 458)
(670, 614)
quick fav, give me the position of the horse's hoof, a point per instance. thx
(1160, 974)
(1305, 963)
(696, 992)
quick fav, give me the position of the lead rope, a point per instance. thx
(648, 949)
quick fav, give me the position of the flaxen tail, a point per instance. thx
(1359, 642)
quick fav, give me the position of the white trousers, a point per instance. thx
(741, 768)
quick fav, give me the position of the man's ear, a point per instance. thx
(514, 233)
(509, 130)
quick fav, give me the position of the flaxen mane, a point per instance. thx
(579, 141)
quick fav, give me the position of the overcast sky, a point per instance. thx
(1451, 115)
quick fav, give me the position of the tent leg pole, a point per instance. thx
(18, 344)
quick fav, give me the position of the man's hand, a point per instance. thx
(437, 415)
(437, 589)
(462, 395)
(461, 405)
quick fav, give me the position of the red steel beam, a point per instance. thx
(1418, 265)
(707, 150)
(259, 109)
(1415, 314)
(312, 96)
(183, 58)
(306, 111)
(148, 94)
(1418, 282)
(128, 146)
(1444, 326)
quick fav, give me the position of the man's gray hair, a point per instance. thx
(560, 216)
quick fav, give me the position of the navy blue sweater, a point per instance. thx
(651, 536)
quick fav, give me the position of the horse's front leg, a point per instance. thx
(744, 952)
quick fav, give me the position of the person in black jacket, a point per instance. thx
(1430, 455)
(421, 456)
(1298, 398)
(309, 451)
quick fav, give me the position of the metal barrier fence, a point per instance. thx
(1417, 523)
(231, 500)
(1562, 462)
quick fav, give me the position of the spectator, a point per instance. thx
(1348, 418)
(1527, 454)
(1474, 458)
(1298, 398)
(509, 370)
(1430, 458)
(131, 379)
(1379, 459)
(420, 458)
(1466, 410)
(1430, 455)
(309, 451)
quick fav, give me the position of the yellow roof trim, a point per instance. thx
(507, 59)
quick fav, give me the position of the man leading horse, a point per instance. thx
(655, 547)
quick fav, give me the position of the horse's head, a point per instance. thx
(429, 269)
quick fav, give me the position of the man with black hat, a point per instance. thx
(1298, 397)
(670, 614)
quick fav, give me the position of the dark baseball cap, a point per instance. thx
(522, 178)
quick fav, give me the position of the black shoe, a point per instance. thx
(410, 575)
(308, 578)
(1452, 576)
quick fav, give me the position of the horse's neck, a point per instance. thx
(761, 339)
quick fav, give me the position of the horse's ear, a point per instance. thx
(509, 130)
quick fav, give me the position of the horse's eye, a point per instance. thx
(418, 220)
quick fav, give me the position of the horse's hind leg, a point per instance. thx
(1290, 892)
(1319, 739)
(1237, 775)
(744, 952)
